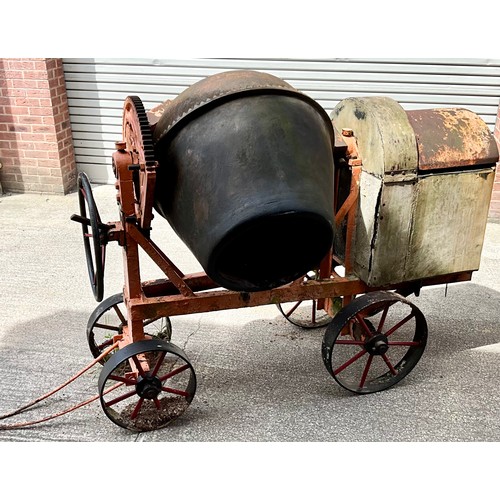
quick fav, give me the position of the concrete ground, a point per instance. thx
(259, 377)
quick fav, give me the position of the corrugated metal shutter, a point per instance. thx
(97, 88)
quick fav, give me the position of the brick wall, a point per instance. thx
(495, 199)
(36, 147)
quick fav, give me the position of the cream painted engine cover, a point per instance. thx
(412, 223)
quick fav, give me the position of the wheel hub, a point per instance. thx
(148, 387)
(377, 345)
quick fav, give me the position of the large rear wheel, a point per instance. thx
(374, 342)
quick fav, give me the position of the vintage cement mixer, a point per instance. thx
(336, 220)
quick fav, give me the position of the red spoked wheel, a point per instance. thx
(108, 320)
(146, 385)
(374, 342)
(95, 235)
(305, 313)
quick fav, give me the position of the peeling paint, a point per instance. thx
(452, 138)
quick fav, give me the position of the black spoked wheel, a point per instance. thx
(108, 320)
(146, 385)
(94, 235)
(374, 342)
(305, 313)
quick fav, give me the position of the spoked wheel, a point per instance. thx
(108, 320)
(146, 385)
(374, 342)
(95, 240)
(305, 313)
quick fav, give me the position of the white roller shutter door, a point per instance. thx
(97, 89)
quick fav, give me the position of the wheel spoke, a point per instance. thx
(382, 319)
(120, 315)
(389, 364)
(152, 320)
(363, 324)
(174, 372)
(158, 364)
(125, 380)
(349, 362)
(138, 366)
(293, 309)
(365, 372)
(400, 324)
(137, 409)
(175, 391)
(313, 314)
(107, 327)
(121, 398)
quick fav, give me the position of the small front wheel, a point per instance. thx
(146, 385)
(374, 342)
(108, 319)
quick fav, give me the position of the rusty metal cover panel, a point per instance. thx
(451, 138)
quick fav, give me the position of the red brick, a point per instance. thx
(18, 64)
(13, 74)
(22, 84)
(30, 162)
(40, 111)
(25, 101)
(7, 136)
(36, 154)
(35, 75)
(46, 146)
(15, 92)
(48, 164)
(8, 162)
(42, 93)
(42, 84)
(11, 153)
(29, 119)
(32, 137)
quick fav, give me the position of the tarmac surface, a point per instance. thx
(260, 378)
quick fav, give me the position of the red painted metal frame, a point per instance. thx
(180, 294)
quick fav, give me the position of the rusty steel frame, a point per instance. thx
(180, 294)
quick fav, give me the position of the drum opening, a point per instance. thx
(270, 251)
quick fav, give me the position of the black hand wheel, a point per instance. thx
(95, 240)
(146, 385)
(305, 313)
(370, 355)
(108, 320)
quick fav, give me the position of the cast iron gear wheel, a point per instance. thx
(137, 131)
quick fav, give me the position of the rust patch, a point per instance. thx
(451, 138)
